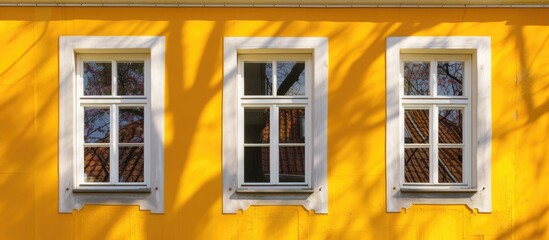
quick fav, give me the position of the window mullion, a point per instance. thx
(114, 78)
(274, 145)
(434, 144)
(274, 78)
(114, 144)
(433, 77)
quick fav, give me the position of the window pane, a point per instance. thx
(256, 125)
(450, 78)
(131, 78)
(416, 126)
(416, 78)
(97, 78)
(416, 165)
(292, 125)
(450, 165)
(290, 78)
(131, 122)
(450, 123)
(131, 164)
(96, 164)
(258, 78)
(291, 164)
(256, 164)
(96, 125)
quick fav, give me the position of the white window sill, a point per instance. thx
(407, 189)
(111, 190)
(275, 190)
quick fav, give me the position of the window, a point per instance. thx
(275, 129)
(438, 126)
(111, 121)
(113, 108)
(274, 121)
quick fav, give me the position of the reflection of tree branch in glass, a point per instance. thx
(450, 78)
(292, 74)
(131, 78)
(416, 78)
(97, 78)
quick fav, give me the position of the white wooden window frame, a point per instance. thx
(274, 103)
(314, 51)
(74, 193)
(434, 102)
(112, 102)
(475, 191)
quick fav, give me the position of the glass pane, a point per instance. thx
(416, 78)
(131, 122)
(258, 78)
(416, 165)
(450, 126)
(450, 78)
(256, 164)
(97, 125)
(131, 78)
(292, 164)
(131, 164)
(290, 78)
(450, 165)
(96, 164)
(256, 125)
(416, 126)
(292, 125)
(97, 78)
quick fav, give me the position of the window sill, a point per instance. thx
(437, 190)
(111, 190)
(275, 190)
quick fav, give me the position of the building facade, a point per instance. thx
(274, 120)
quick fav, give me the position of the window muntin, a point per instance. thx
(274, 106)
(436, 107)
(113, 117)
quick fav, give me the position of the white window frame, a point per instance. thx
(274, 103)
(113, 102)
(475, 191)
(74, 193)
(313, 193)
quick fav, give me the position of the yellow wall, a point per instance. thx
(356, 124)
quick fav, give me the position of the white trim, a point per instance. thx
(233, 199)
(480, 128)
(69, 46)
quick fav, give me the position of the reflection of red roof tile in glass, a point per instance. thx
(450, 159)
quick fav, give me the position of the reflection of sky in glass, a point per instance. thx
(416, 78)
(450, 78)
(131, 78)
(290, 78)
(96, 125)
(97, 78)
(131, 124)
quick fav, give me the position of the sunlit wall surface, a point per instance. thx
(29, 73)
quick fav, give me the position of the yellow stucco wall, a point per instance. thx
(356, 124)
